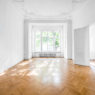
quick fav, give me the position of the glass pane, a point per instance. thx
(50, 34)
(57, 44)
(50, 48)
(50, 41)
(50, 44)
(44, 34)
(38, 41)
(44, 44)
(57, 41)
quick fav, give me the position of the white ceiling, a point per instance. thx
(49, 8)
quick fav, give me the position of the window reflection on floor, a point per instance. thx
(92, 65)
(47, 70)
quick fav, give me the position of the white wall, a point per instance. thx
(11, 35)
(85, 15)
(81, 46)
(68, 40)
(27, 40)
(92, 41)
(82, 18)
(65, 40)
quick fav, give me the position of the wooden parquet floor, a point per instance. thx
(48, 76)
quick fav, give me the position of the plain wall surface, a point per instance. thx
(11, 35)
(85, 15)
(92, 41)
(81, 46)
(69, 39)
(27, 41)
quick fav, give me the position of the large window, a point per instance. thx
(47, 41)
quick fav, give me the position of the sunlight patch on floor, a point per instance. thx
(1, 74)
(47, 70)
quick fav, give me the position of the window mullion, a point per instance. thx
(41, 40)
(54, 42)
(47, 40)
(35, 41)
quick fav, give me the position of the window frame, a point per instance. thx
(41, 50)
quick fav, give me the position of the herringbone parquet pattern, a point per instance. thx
(48, 76)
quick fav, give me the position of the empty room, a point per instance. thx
(47, 47)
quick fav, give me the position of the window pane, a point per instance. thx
(50, 41)
(44, 34)
(57, 41)
(50, 34)
(57, 44)
(44, 43)
(50, 44)
(38, 41)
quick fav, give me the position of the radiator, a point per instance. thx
(47, 55)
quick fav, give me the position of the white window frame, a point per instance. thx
(47, 43)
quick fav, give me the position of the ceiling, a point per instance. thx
(49, 8)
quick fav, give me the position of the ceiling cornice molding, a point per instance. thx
(49, 18)
(19, 1)
(37, 20)
(76, 4)
(39, 16)
(78, 1)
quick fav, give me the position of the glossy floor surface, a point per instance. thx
(48, 76)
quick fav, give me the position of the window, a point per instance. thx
(47, 41)
(37, 41)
